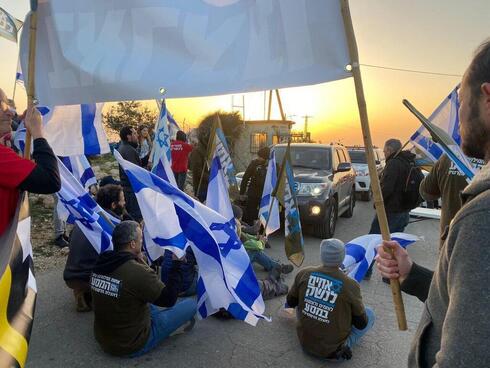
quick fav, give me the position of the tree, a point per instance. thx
(130, 113)
(231, 122)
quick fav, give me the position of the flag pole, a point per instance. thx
(212, 134)
(375, 184)
(31, 86)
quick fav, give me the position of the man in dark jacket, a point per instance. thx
(17, 173)
(128, 150)
(454, 327)
(83, 256)
(331, 315)
(393, 183)
(198, 166)
(127, 294)
(253, 184)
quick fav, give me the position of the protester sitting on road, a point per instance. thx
(144, 146)
(331, 315)
(83, 256)
(447, 182)
(180, 158)
(188, 269)
(128, 150)
(453, 330)
(253, 184)
(17, 173)
(255, 245)
(127, 294)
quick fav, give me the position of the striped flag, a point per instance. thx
(17, 288)
(174, 221)
(285, 193)
(9, 26)
(80, 167)
(360, 252)
(217, 198)
(162, 155)
(269, 215)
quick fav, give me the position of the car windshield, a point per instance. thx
(358, 157)
(313, 157)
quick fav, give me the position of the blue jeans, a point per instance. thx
(396, 222)
(356, 334)
(262, 259)
(166, 321)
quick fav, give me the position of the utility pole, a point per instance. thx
(306, 117)
(237, 107)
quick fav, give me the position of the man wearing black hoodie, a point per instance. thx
(393, 182)
(126, 294)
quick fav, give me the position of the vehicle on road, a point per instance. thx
(324, 183)
(359, 163)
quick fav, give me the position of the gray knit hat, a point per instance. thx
(332, 252)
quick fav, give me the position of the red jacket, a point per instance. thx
(13, 171)
(180, 156)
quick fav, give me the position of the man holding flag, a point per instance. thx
(453, 330)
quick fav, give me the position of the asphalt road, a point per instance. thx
(63, 338)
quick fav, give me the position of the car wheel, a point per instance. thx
(326, 228)
(352, 203)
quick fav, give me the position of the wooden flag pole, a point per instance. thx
(279, 102)
(211, 137)
(269, 110)
(378, 198)
(31, 86)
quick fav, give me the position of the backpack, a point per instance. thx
(411, 194)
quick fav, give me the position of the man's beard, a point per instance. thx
(475, 139)
(118, 210)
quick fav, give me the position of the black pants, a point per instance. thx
(251, 210)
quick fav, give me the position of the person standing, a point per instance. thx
(18, 174)
(180, 158)
(145, 144)
(128, 150)
(393, 187)
(200, 171)
(253, 184)
(331, 315)
(454, 327)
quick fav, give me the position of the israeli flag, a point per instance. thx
(77, 206)
(81, 170)
(220, 147)
(218, 198)
(270, 218)
(360, 252)
(20, 137)
(173, 127)
(174, 221)
(75, 129)
(19, 77)
(446, 118)
(162, 156)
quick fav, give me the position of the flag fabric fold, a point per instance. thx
(9, 26)
(75, 205)
(360, 252)
(18, 288)
(269, 206)
(217, 198)
(80, 167)
(445, 124)
(174, 221)
(285, 193)
(161, 157)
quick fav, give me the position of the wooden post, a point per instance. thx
(378, 198)
(283, 116)
(31, 86)
(269, 110)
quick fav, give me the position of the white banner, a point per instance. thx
(96, 51)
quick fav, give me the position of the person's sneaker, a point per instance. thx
(275, 274)
(60, 242)
(287, 268)
(281, 288)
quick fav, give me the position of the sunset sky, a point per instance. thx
(437, 36)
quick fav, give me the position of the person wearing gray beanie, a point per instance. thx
(332, 317)
(332, 252)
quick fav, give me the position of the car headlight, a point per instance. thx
(312, 189)
(362, 173)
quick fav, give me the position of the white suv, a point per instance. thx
(359, 163)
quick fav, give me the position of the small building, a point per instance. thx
(257, 134)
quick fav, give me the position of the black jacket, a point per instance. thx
(394, 180)
(198, 166)
(129, 153)
(252, 183)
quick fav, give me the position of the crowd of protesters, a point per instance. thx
(135, 308)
